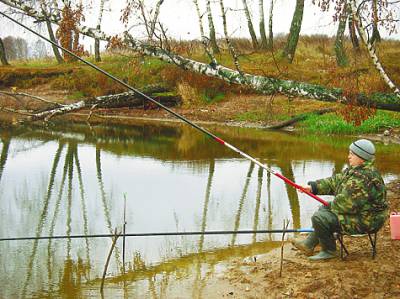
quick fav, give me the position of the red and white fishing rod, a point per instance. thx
(139, 93)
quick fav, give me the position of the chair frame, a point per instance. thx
(343, 249)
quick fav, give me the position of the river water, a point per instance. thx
(75, 180)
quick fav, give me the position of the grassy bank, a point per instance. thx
(314, 63)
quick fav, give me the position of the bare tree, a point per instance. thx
(16, 48)
(295, 27)
(270, 31)
(98, 27)
(213, 39)
(371, 48)
(264, 41)
(3, 56)
(205, 41)
(263, 84)
(353, 32)
(52, 37)
(227, 39)
(155, 17)
(341, 58)
(375, 37)
(250, 25)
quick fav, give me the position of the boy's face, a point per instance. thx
(354, 160)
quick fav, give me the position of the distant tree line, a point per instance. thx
(17, 48)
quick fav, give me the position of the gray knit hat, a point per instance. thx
(363, 148)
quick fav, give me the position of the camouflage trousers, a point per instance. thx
(325, 223)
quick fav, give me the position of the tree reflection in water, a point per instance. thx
(76, 195)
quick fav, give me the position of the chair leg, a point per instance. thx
(373, 244)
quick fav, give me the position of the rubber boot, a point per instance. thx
(323, 255)
(306, 246)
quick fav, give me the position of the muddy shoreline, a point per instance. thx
(358, 276)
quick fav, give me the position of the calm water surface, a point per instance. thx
(69, 180)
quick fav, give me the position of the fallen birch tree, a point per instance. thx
(121, 100)
(262, 84)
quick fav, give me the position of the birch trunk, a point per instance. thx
(375, 37)
(227, 39)
(266, 85)
(341, 58)
(371, 50)
(270, 31)
(96, 40)
(264, 41)
(52, 37)
(213, 39)
(3, 56)
(155, 18)
(204, 41)
(250, 25)
(295, 27)
(352, 31)
(126, 99)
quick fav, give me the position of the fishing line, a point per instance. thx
(139, 93)
(193, 233)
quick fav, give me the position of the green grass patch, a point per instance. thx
(250, 116)
(333, 124)
(209, 99)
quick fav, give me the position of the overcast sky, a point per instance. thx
(179, 16)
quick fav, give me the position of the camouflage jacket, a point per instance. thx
(360, 198)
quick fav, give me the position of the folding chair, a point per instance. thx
(343, 250)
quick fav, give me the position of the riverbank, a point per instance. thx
(358, 276)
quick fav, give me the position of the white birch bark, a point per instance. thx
(227, 39)
(98, 26)
(371, 49)
(155, 18)
(262, 84)
(204, 39)
(213, 39)
(264, 41)
(250, 25)
(270, 23)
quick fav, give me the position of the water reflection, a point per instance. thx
(72, 180)
(4, 154)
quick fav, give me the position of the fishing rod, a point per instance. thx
(137, 92)
(193, 233)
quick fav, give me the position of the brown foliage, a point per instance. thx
(115, 43)
(68, 33)
(352, 84)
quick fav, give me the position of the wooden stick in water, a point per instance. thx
(114, 241)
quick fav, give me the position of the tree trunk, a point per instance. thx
(371, 50)
(375, 37)
(96, 40)
(213, 39)
(53, 39)
(3, 56)
(264, 41)
(155, 17)
(295, 27)
(122, 100)
(341, 58)
(270, 31)
(227, 39)
(97, 56)
(352, 32)
(250, 25)
(265, 85)
(209, 52)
